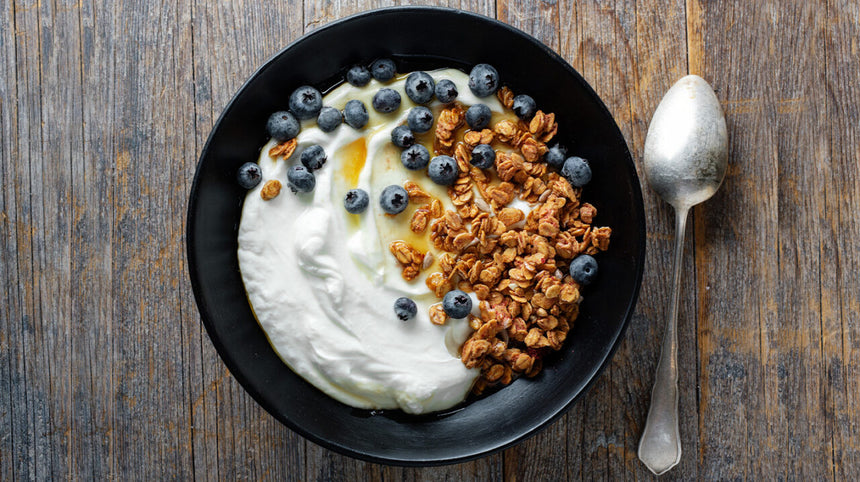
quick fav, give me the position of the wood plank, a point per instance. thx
(738, 369)
(11, 309)
(538, 18)
(483, 7)
(232, 436)
(839, 251)
(30, 391)
(61, 105)
(799, 105)
(150, 428)
(320, 12)
(92, 178)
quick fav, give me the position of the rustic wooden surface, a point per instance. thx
(106, 371)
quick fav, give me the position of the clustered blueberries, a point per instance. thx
(420, 119)
(300, 179)
(356, 201)
(577, 171)
(483, 156)
(405, 308)
(583, 269)
(402, 137)
(249, 175)
(524, 107)
(443, 170)
(355, 114)
(329, 119)
(306, 103)
(420, 87)
(358, 75)
(393, 199)
(282, 126)
(383, 70)
(484, 80)
(386, 100)
(555, 156)
(313, 157)
(457, 304)
(478, 117)
(446, 91)
(415, 157)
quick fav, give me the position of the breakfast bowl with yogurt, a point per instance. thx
(407, 259)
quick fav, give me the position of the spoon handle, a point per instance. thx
(660, 446)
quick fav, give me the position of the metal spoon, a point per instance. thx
(686, 153)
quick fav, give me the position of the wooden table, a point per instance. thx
(107, 372)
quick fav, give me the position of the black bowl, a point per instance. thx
(425, 38)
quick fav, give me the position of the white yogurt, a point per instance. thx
(322, 282)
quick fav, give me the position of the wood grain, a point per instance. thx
(233, 437)
(10, 309)
(839, 250)
(107, 373)
(799, 106)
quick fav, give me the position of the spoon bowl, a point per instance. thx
(686, 149)
(686, 154)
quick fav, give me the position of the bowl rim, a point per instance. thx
(205, 310)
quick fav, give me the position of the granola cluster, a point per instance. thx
(449, 121)
(516, 264)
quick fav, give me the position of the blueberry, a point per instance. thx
(383, 69)
(249, 175)
(420, 119)
(313, 157)
(358, 75)
(524, 107)
(478, 117)
(401, 136)
(577, 171)
(483, 80)
(300, 179)
(457, 304)
(555, 156)
(420, 87)
(356, 201)
(282, 126)
(405, 309)
(386, 100)
(329, 119)
(355, 114)
(305, 102)
(483, 156)
(446, 91)
(583, 269)
(443, 170)
(415, 157)
(393, 199)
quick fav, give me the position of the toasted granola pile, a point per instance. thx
(516, 264)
